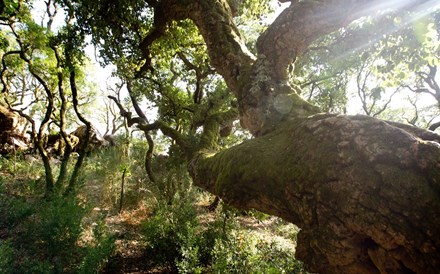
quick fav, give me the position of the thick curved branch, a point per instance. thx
(211, 128)
(226, 49)
(71, 65)
(43, 125)
(359, 189)
(5, 68)
(135, 103)
(85, 142)
(127, 114)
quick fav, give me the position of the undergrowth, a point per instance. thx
(177, 239)
(70, 234)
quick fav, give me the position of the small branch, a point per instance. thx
(135, 103)
(143, 125)
(434, 126)
(384, 107)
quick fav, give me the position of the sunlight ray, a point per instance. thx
(383, 9)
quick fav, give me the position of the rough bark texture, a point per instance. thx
(364, 193)
(10, 137)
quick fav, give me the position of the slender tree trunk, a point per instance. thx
(121, 198)
(84, 144)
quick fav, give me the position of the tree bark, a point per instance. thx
(366, 194)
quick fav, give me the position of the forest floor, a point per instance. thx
(130, 253)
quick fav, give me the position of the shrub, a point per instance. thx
(171, 232)
(13, 210)
(6, 257)
(175, 238)
(243, 251)
(97, 253)
(49, 240)
(53, 231)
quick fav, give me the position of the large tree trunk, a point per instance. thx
(365, 193)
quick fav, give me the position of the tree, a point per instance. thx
(38, 73)
(374, 58)
(365, 192)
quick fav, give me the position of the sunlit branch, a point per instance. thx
(211, 128)
(285, 39)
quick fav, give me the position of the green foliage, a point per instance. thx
(48, 233)
(171, 233)
(175, 238)
(244, 251)
(118, 42)
(6, 257)
(369, 59)
(53, 232)
(13, 210)
(97, 253)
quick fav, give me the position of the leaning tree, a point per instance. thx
(365, 192)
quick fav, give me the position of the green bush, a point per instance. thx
(171, 232)
(243, 252)
(13, 210)
(97, 253)
(189, 255)
(52, 233)
(6, 257)
(47, 240)
(176, 239)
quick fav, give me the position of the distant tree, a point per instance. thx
(373, 58)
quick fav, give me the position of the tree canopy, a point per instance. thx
(365, 192)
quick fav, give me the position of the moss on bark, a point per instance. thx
(356, 186)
